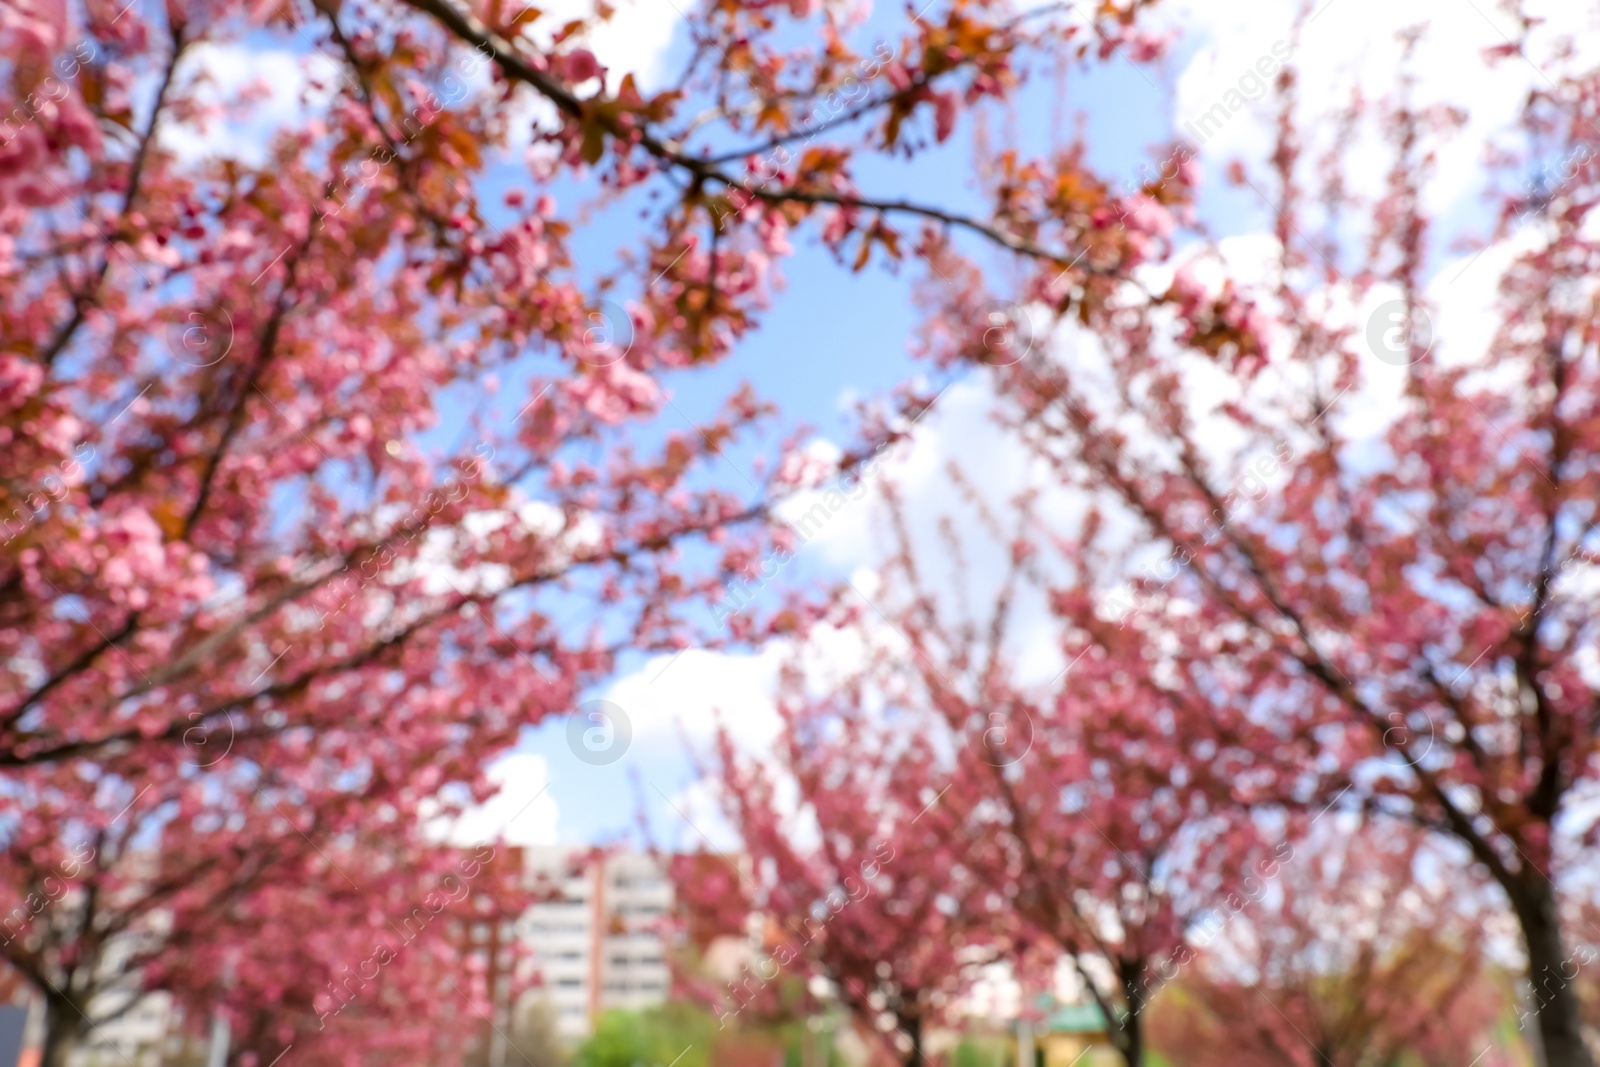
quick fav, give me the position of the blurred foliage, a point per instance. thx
(652, 1038)
(683, 1034)
(982, 1051)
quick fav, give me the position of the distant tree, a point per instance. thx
(1352, 958)
(1071, 822)
(274, 906)
(864, 883)
(676, 1031)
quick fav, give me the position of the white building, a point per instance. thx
(602, 944)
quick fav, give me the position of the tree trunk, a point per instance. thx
(1133, 1039)
(61, 1023)
(1550, 975)
(912, 1028)
(1131, 1026)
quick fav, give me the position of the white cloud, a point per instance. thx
(961, 427)
(1351, 44)
(636, 39)
(962, 430)
(703, 824)
(676, 704)
(277, 82)
(683, 700)
(283, 83)
(522, 813)
(685, 696)
(436, 561)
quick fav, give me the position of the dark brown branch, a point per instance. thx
(82, 302)
(469, 29)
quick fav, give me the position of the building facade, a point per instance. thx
(600, 942)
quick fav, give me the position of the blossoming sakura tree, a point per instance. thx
(1350, 960)
(1351, 507)
(262, 532)
(865, 882)
(273, 907)
(1321, 522)
(1074, 828)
